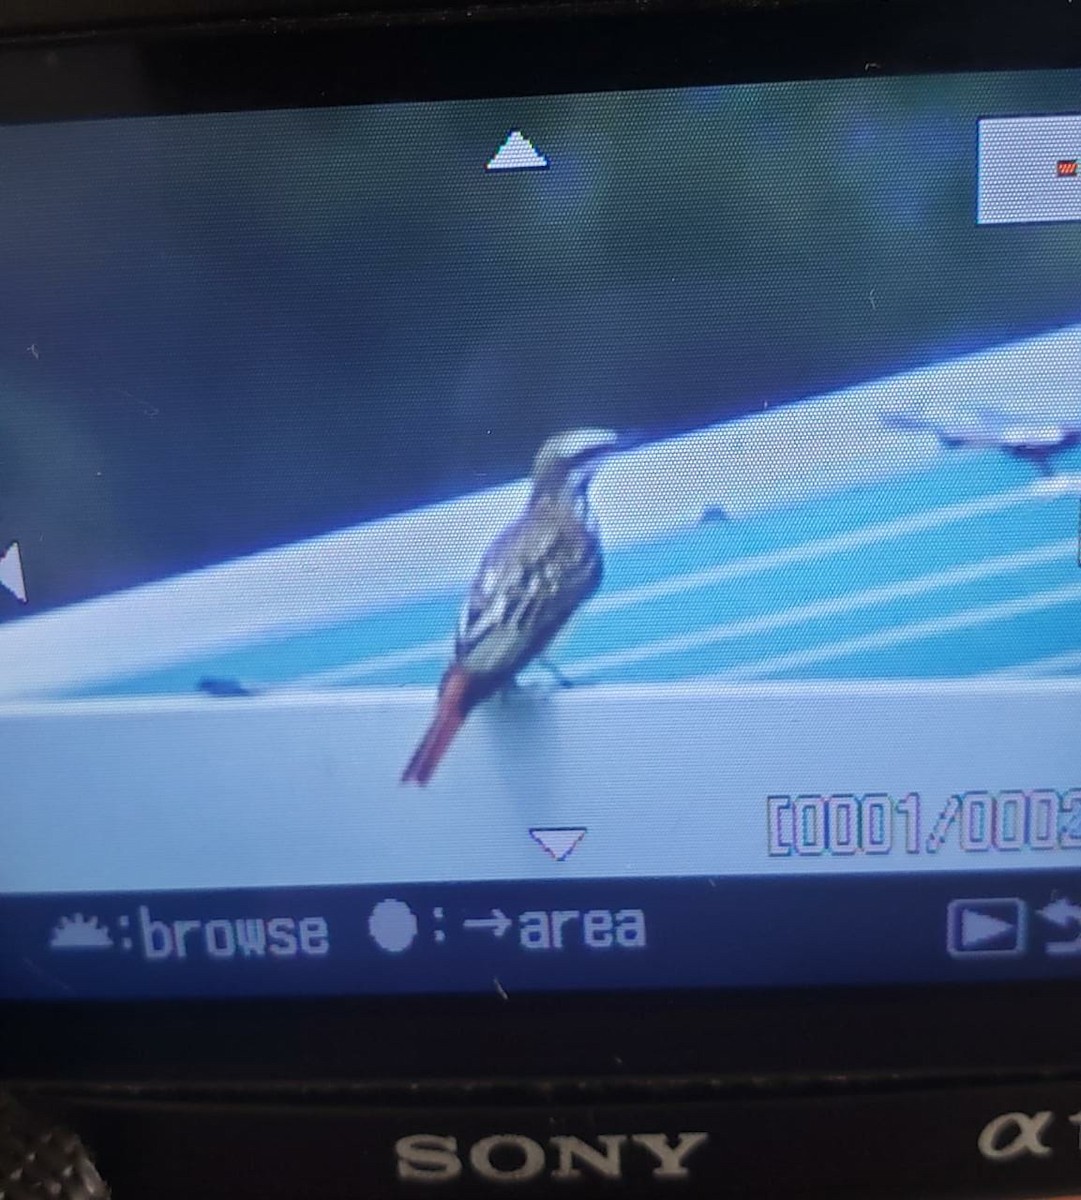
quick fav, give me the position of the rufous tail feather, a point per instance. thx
(450, 713)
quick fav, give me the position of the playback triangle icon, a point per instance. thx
(559, 842)
(992, 927)
(980, 928)
(11, 572)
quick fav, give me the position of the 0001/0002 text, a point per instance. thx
(847, 825)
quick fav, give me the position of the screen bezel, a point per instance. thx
(963, 1031)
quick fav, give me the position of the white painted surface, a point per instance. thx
(190, 792)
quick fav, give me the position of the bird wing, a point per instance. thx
(530, 581)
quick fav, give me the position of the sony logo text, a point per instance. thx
(429, 1158)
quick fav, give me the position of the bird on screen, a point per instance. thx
(531, 580)
(1032, 439)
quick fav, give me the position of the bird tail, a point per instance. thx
(451, 711)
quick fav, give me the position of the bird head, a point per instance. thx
(568, 460)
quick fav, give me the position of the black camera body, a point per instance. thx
(830, 1014)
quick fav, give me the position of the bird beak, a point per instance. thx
(605, 450)
(626, 441)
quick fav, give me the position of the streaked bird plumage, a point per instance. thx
(532, 578)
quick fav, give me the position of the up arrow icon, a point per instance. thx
(517, 153)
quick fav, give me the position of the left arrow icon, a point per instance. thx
(11, 572)
(1062, 912)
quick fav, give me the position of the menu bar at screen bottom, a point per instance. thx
(513, 937)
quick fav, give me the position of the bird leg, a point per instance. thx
(1044, 466)
(563, 680)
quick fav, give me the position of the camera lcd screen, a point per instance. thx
(567, 542)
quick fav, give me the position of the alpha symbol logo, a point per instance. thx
(1015, 1135)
